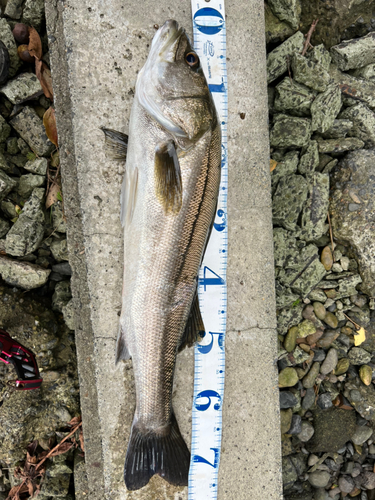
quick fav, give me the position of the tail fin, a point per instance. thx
(150, 454)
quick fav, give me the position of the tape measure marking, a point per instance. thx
(210, 45)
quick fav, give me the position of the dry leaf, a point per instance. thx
(63, 448)
(360, 336)
(75, 421)
(52, 195)
(49, 122)
(35, 44)
(30, 487)
(81, 442)
(273, 164)
(44, 76)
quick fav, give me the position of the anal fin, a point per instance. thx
(194, 326)
(122, 351)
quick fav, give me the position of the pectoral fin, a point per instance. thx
(122, 351)
(116, 144)
(128, 195)
(194, 326)
(168, 184)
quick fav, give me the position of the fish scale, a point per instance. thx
(209, 30)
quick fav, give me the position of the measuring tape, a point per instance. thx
(210, 45)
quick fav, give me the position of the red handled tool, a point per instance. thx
(23, 360)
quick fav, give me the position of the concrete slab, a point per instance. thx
(97, 47)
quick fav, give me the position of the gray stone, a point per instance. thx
(361, 434)
(285, 246)
(319, 478)
(324, 401)
(354, 54)
(6, 184)
(62, 268)
(318, 295)
(339, 128)
(306, 280)
(320, 55)
(4, 130)
(309, 159)
(22, 274)
(24, 87)
(288, 200)
(12, 146)
(329, 364)
(290, 131)
(276, 30)
(355, 175)
(321, 494)
(13, 9)
(286, 10)
(59, 250)
(363, 123)
(5, 166)
(30, 127)
(58, 218)
(290, 475)
(33, 13)
(346, 484)
(56, 487)
(6, 36)
(369, 480)
(61, 295)
(309, 73)
(4, 227)
(315, 208)
(340, 145)
(288, 317)
(359, 356)
(27, 232)
(347, 286)
(325, 108)
(293, 98)
(363, 90)
(286, 166)
(287, 400)
(37, 166)
(277, 60)
(309, 399)
(307, 431)
(333, 428)
(309, 379)
(367, 72)
(28, 182)
(296, 425)
(68, 313)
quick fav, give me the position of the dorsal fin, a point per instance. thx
(116, 144)
(168, 183)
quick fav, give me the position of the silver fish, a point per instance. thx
(168, 202)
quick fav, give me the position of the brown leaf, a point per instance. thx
(49, 122)
(31, 448)
(44, 76)
(75, 421)
(273, 164)
(35, 44)
(52, 195)
(30, 487)
(81, 441)
(63, 448)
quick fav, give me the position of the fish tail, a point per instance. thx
(149, 453)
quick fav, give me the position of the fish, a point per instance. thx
(168, 202)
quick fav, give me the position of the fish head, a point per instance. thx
(172, 87)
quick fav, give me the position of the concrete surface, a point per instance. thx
(97, 47)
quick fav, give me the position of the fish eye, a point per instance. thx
(192, 59)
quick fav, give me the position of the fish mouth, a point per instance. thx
(166, 40)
